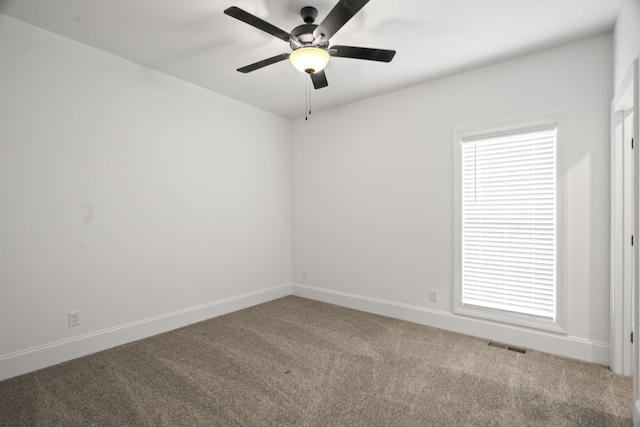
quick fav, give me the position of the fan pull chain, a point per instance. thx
(307, 107)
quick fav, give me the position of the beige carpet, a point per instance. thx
(305, 363)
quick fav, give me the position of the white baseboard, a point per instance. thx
(50, 354)
(558, 344)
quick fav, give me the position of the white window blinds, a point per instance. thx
(509, 222)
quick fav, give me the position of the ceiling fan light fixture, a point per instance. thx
(309, 59)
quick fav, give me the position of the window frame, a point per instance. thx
(495, 315)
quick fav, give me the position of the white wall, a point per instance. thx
(626, 39)
(147, 203)
(373, 185)
(140, 200)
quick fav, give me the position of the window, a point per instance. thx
(507, 223)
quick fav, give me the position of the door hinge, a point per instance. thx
(631, 240)
(632, 337)
(632, 143)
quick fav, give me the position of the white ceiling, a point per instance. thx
(194, 41)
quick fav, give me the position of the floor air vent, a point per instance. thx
(507, 347)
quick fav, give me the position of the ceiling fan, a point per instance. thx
(310, 42)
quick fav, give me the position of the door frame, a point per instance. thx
(627, 99)
(635, 93)
(622, 225)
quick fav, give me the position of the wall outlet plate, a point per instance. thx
(74, 318)
(433, 295)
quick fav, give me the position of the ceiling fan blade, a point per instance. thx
(264, 63)
(260, 24)
(339, 15)
(381, 55)
(319, 79)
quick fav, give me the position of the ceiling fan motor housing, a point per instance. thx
(304, 34)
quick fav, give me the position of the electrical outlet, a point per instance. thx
(433, 295)
(74, 318)
(304, 274)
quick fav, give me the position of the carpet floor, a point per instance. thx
(297, 362)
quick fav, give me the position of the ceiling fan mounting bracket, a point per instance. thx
(309, 14)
